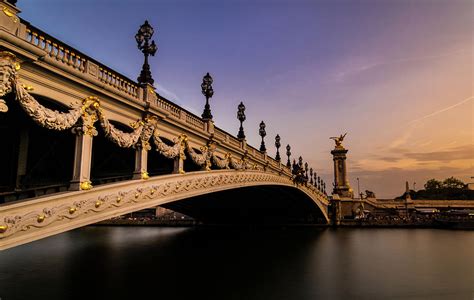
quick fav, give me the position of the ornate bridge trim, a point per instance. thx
(35, 219)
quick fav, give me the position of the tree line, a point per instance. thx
(449, 189)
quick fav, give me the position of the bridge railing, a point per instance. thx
(67, 57)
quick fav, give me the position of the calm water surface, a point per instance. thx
(229, 263)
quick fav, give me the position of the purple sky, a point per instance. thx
(396, 75)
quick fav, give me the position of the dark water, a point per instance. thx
(226, 263)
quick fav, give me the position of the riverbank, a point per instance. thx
(392, 223)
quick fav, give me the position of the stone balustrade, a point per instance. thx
(77, 61)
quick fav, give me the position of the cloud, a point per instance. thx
(350, 72)
(441, 110)
(168, 94)
(458, 153)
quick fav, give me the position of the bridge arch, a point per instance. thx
(259, 204)
(30, 220)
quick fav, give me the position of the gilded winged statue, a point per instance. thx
(338, 139)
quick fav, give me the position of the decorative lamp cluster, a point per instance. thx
(143, 37)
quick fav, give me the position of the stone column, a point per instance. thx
(341, 182)
(82, 161)
(141, 163)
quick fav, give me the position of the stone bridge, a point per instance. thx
(82, 143)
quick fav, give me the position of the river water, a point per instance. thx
(245, 263)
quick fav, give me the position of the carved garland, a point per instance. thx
(170, 151)
(221, 163)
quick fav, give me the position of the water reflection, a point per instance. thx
(244, 263)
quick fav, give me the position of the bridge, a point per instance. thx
(82, 143)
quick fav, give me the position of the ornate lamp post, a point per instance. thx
(288, 153)
(311, 175)
(207, 91)
(262, 133)
(306, 169)
(315, 179)
(300, 162)
(143, 37)
(319, 183)
(277, 145)
(241, 118)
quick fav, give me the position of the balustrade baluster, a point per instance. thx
(65, 56)
(60, 51)
(49, 47)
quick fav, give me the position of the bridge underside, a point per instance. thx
(252, 205)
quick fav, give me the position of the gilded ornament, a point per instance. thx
(118, 199)
(27, 87)
(72, 210)
(98, 204)
(137, 195)
(86, 185)
(3, 228)
(10, 14)
(152, 191)
(40, 218)
(145, 175)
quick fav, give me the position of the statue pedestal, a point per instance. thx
(341, 182)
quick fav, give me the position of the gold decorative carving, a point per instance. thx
(28, 87)
(145, 175)
(10, 14)
(85, 185)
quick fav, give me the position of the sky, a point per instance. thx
(397, 76)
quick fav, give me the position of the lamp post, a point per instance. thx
(277, 145)
(241, 118)
(207, 91)
(262, 133)
(143, 37)
(315, 179)
(306, 170)
(288, 153)
(311, 175)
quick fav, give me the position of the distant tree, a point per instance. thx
(453, 183)
(433, 184)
